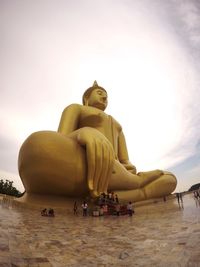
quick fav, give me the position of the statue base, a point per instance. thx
(37, 201)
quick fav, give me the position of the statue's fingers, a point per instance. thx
(90, 151)
(98, 164)
(109, 169)
(102, 175)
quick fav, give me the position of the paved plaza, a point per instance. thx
(159, 234)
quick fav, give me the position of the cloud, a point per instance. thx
(8, 154)
(188, 178)
(189, 12)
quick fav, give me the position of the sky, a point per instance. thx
(145, 53)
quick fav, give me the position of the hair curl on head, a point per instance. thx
(88, 92)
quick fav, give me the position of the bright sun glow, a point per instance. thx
(143, 98)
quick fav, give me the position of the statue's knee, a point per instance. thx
(52, 163)
(163, 186)
(170, 178)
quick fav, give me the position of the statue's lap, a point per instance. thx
(51, 163)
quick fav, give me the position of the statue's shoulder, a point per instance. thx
(117, 124)
(73, 107)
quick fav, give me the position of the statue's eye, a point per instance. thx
(99, 92)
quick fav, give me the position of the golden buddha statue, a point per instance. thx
(87, 156)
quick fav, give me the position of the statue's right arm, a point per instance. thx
(69, 119)
(99, 151)
(100, 158)
(123, 154)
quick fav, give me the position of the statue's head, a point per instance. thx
(95, 96)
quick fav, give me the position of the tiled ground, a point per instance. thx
(160, 234)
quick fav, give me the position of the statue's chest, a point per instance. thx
(93, 118)
(97, 119)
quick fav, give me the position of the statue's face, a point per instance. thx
(98, 99)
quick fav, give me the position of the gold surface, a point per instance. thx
(87, 156)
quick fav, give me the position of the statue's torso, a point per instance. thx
(98, 119)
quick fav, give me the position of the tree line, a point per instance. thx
(6, 187)
(194, 187)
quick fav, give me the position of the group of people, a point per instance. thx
(50, 212)
(107, 204)
(116, 209)
(196, 195)
(111, 197)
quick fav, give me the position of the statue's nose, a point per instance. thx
(104, 98)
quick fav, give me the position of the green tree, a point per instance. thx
(6, 187)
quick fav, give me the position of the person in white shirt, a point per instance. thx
(130, 208)
(84, 207)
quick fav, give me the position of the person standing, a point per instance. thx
(130, 208)
(75, 208)
(178, 197)
(181, 198)
(116, 198)
(51, 212)
(84, 207)
(117, 208)
(44, 212)
(110, 197)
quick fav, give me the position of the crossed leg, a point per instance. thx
(145, 185)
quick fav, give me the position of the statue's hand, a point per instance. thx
(100, 159)
(129, 166)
